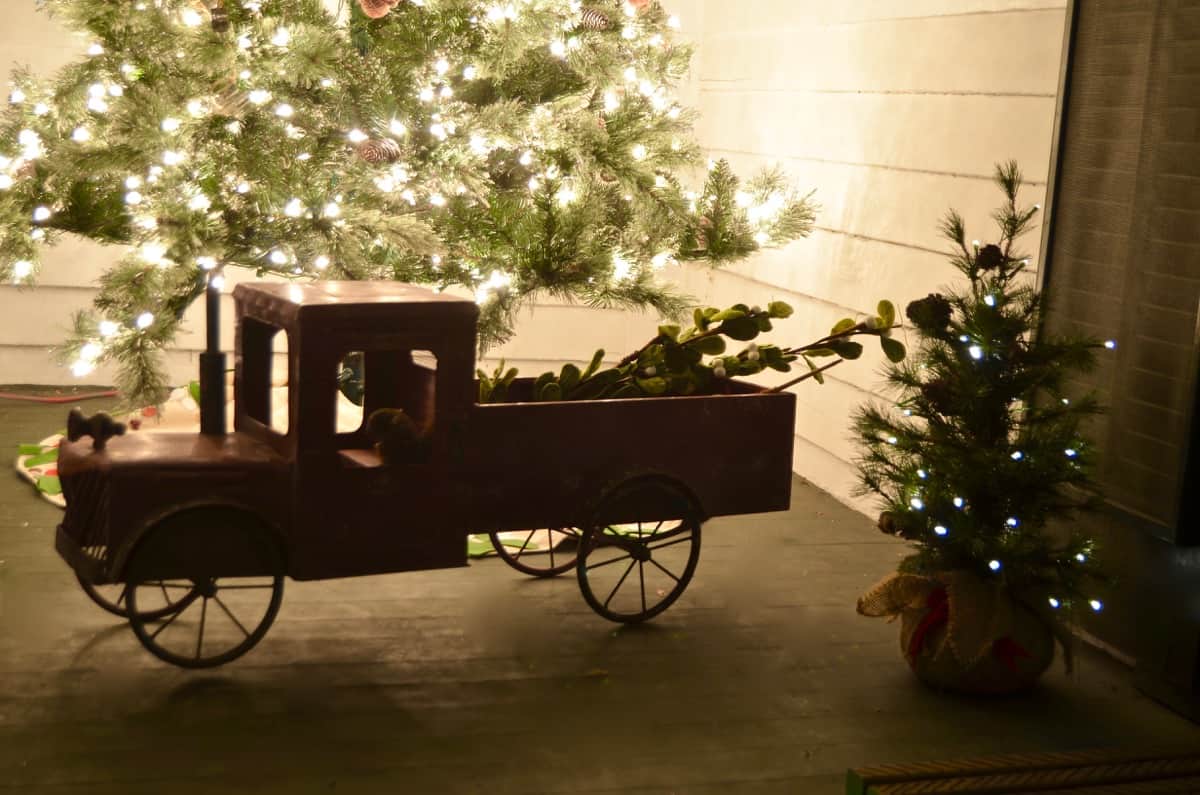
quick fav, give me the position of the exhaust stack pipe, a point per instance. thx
(212, 362)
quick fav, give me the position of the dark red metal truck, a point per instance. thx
(190, 535)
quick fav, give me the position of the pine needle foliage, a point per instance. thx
(982, 450)
(507, 149)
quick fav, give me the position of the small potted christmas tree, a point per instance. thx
(978, 456)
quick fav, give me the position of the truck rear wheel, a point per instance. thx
(539, 553)
(640, 549)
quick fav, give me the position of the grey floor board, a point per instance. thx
(762, 679)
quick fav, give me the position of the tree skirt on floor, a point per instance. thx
(38, 462)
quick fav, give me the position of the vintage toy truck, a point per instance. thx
(190, 535)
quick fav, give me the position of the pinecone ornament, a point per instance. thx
(591, 19)
(220, 17)
(376, 9)
(379, 150)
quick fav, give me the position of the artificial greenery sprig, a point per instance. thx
(674, 361)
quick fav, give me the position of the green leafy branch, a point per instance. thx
(691, 361)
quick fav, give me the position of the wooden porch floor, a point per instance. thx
(761, 679)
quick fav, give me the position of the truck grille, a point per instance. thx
(86, 519)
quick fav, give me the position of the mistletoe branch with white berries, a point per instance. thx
(674, 362)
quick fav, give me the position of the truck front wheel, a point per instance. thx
(236, 569)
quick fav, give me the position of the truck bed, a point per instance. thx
(530, 464)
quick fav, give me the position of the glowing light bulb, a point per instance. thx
(172, 157)
(17, 96)
(278, 257)
(357, 136)
(990, 300)
(95, 48)
(1082, 558)
(21, 269)
(1017, 455)
(144, 320)
(674, 22)
(397, 128)
(639, 152)
(976, 352)
(133, 197)
(259, 96)
(42, 213)
(1110, 344)
(332, 210)
(199, 202)
(243, 188)
(558, 48)
(958, 502)
(1070, 452)
(284, 110)
(206, 263)
(171, 124)
(446, 92)
(892, 440)
(1096, 605)
(191, 17)
(321, 262)
(6, 182)
(81, 135)
(994, 565)
(282, 37)
(437, 200)
(108, 328)
(81, 368)
(917, 503)
(41, 109)
(470, 73)
(940, 530)
(1054, 603)
(1012, 521)
(294, 208)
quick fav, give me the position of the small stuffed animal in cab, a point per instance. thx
(398, 438)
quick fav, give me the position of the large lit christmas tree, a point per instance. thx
(511, 148)
(983, 450)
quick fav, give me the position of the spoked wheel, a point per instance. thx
(540, 553)
(632, 569)
(224, 619)
(235, 566)
(172, 595)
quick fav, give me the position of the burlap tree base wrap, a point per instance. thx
(962, 634)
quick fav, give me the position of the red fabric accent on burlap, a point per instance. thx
(1009, 651)
(937, 613)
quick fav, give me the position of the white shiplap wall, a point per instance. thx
(892, 112)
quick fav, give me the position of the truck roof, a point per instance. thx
(355, 293)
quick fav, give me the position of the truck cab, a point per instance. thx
(349, 513)
(321, 491)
